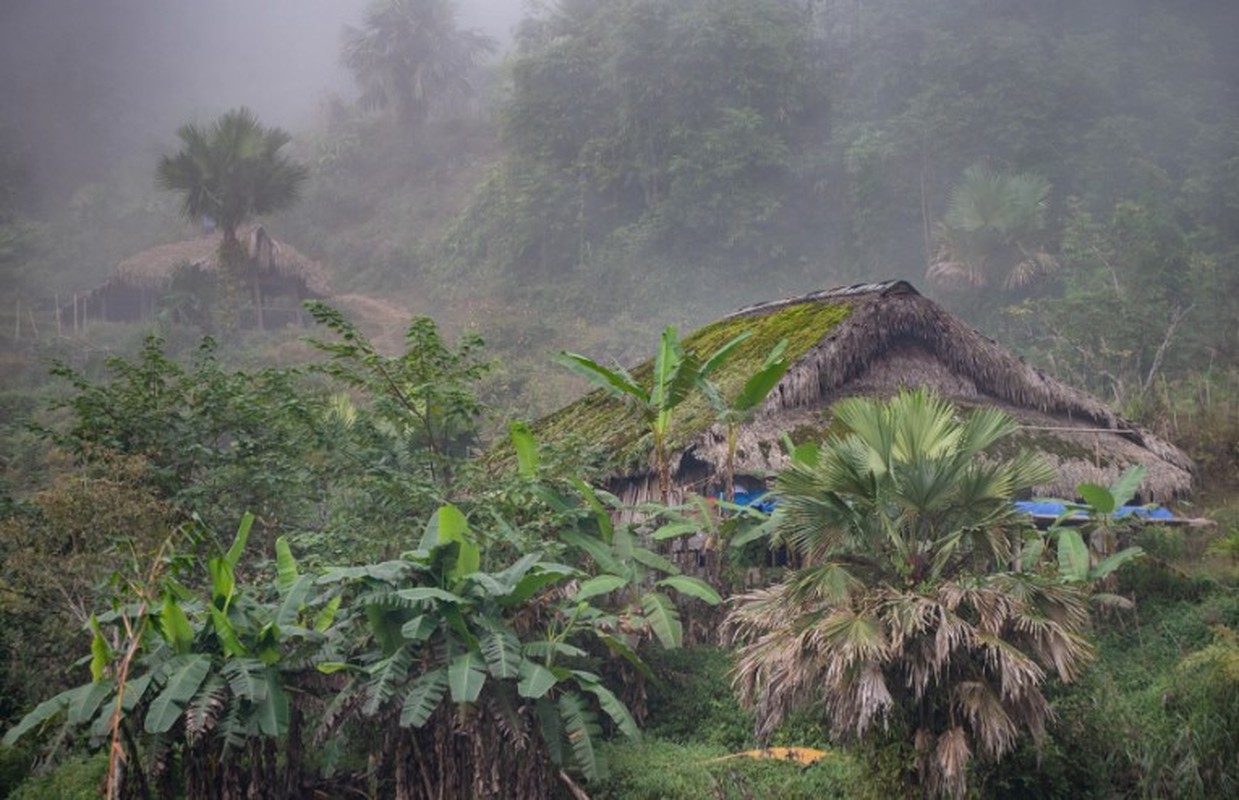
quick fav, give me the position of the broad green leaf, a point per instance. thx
(759, 386)
(602, 516)
(175, 625)
(601, 584)
(324, 618)
(285, 565)
(526, 449)
(135, 690)
(654, 561)
(223, 582)
(1125, 488)
(622, 649)
(422, 594)
(1112, 562)
(615, 382)
(100, 652)
(518, 569)
(272, 710)
(389, 673)
(1097, 497)
(1072, 555)
(616, 710)
(453, 527)
(387, 571)
(552, 730)
(595, 548)
(1031, 552)
(536, 680)
(534, 582)
(419, 628)
(720, 356)
(85, 705)
(550, 649)
(693, 587)
(233, 556)
(663, 619)
(229, 643)
(502, 651)
(181, 686)
(423, 698)
(752, 532)
(581, 729)
(673, 529)
(247, 678)
(44, 711)
(466, 675)
(294, 599)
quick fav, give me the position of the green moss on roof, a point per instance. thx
(600, 419)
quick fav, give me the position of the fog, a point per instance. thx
(89, 83)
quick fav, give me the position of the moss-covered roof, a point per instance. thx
(606, 421)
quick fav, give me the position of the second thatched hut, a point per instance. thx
(280, 278)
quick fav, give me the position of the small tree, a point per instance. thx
(231, 171)
(906, 621)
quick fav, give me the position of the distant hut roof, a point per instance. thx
(870, 339)
(153, 267)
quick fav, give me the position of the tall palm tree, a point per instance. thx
(231, 171)
(906, 616)
(992, 231)
(409, 54)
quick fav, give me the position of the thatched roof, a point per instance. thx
(871, 340)
(153, 267)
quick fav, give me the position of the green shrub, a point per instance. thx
(14, 768)
(693, 702)
(662, 770)
(79, 778)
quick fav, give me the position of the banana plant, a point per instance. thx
(633, 578)
(676, 373)
(739, 409)
(203, 676)
(437, 632)
(1085, 535)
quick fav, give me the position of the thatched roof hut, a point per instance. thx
(871, 339)
(134, 291)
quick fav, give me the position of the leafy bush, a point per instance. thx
(78, 778)
(693, 701)
(662, 770)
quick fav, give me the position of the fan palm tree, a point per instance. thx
(231, 171)
(906, 616)
(409, 54)
(992, 231)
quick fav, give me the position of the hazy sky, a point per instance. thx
(85, 80)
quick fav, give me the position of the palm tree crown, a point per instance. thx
(992, 229)
(906, 617)
(231, 171)
(409, 54)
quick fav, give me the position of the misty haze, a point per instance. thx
(619, 398)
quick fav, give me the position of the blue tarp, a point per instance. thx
(757, 499)
(1049, 508)
(1038, 508)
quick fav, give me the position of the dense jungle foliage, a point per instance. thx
(279, 563)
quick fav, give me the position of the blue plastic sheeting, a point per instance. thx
(1038, 508)
(1047, 508)
(757, 500)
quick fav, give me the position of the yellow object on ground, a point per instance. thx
(800, 755)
